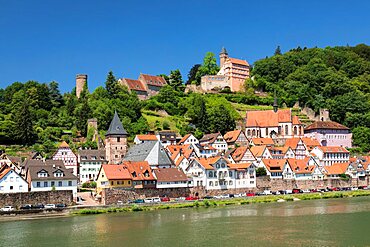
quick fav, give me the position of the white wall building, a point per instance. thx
(12, 182)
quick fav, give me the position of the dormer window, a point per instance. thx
(42, 174)
(134, 174)
(58, 174)
(83, 158)
(93, 157)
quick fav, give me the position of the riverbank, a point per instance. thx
(225, 202)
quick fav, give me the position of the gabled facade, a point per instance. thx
(69, 158)
(135, 86)
(242, 155)
(215, 140)
(152, 83)
(141, 173)
(167, 138)
(189, 139)
(336, 170)
(236, 138)
(10, 161)
(12, 182)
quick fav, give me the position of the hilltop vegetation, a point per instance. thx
(38, 115)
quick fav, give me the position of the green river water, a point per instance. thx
(334, 222)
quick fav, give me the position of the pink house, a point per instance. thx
(329, 133)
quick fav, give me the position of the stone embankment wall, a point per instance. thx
(280, 184)
(44, 197)
(113, 196)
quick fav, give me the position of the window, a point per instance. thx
(216, 183)
(20, 187)
(230, 173)
(46, 184)
(118, 139)
(38, 184)
(210, 174)
(230, 182)
(11, 179)
(69, 183)
(60, 183)
(11, 187)
(210, 183)
(52, 183)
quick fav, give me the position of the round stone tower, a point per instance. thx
(81, 80)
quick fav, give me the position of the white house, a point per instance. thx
(90, 162)
(65, 154)
(218, 174)
(170, 178)
(145, 138)
(11, 181)
(189, 139)
(216, 140)
(330, 155)
(49, 175)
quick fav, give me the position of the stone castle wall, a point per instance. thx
(43, 197)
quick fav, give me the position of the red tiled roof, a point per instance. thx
(64, 145)
(184, 138)
(326, 125)
(113, 172)
(257, 150)
(134, 84)
(232, 136)
(147, 137)
(154, 80)
(299, 165)
(238, 61)
(239, 165)
(139, 168)
(4, 172)
(333, 149)
(296, 120)
(210, 138)
(336, 169)
(239, 153)
(262, 141)
(170, 175)
(274, 165)
(268, 118)
(208, 162)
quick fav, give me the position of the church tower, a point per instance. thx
(81, 80)
(115, 141)
(223, 56)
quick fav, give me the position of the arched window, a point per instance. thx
(286, 130)
(249, 133)
(253, 132)
(295, 130)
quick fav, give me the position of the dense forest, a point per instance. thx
(38, 115)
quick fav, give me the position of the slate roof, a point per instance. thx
(210, 138)
(116, 127)
(156, 152)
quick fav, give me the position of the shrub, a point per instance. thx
(261, 172)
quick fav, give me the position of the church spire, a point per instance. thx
(275, 102)
(116, 127)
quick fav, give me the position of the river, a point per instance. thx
(332, 222)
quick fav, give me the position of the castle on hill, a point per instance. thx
(232, 75)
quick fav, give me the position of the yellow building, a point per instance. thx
(113, 176)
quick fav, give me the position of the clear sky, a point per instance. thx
(55, 40)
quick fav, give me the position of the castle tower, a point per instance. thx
(81, 80)
(223, 56)
(115, 141)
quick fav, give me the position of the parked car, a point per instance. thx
(306, 191)
(165, 199)
(259, 194)
(26, 206)
(238, 195)
(208, 197)
(297, 191)
(156, 199)
(231, 195)
(191, 198)
(276, 193)
(60, 205)
(282, 192)
(313, 190)
(138, 201)
(180, 199)
(50, 206)
(38, 206)
(251, 194)
(267, 192)
(354, 188)
(7, 209)
(148, 200)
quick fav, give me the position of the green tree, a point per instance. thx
(277, 50)
(361, 138)
(192, 79)
(55, 96)
(220, 119)
(23, 129)
(209, 67)
(175, 80)
(197, 111)
(112, 86)
(261, 171)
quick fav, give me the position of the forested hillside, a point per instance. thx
(336, 78)
(38, 115)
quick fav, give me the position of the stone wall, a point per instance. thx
(265, 183)
(113, 195)
(44, 197)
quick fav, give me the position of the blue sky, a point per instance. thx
(55, 40)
